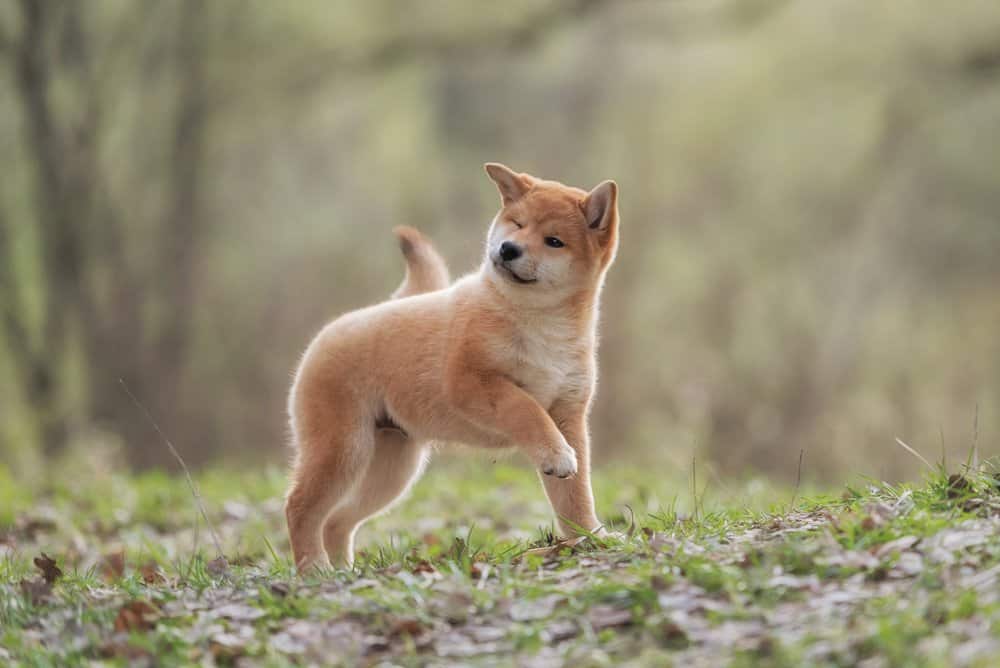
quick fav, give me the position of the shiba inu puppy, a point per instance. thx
(504, 357)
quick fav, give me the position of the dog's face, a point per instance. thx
(550, 237)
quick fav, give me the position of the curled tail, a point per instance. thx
(425, 269)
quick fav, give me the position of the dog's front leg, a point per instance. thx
(572, 499)
(495, 404)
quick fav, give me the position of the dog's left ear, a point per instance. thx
(601, 207)
(512, 186)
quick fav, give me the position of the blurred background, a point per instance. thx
(810, 197)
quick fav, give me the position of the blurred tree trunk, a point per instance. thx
(41, 366)
(89, 286)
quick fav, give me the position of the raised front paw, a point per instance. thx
(559, 461)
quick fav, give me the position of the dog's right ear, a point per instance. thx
(511, 185)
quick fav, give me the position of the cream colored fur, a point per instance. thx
(503, 357)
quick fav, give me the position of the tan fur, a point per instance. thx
(487, 361)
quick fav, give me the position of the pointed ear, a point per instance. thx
(511, 185)
(601, 206)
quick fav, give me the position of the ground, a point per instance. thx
(109, 567)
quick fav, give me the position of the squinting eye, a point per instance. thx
(554, 242)
(519, 225)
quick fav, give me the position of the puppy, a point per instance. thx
(504, 357)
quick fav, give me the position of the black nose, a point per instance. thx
(509, 251)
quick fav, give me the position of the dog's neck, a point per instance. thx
(530, 304)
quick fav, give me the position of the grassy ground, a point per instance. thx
(464, 572)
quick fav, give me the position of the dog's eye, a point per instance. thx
(554, 242)
(519, 225)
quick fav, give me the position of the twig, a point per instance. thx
(694, 484)
(187, 474)
(975, 439)
(798, 479)
(914, 453)
(631, 525)
(944, 451)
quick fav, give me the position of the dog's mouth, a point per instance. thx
(513, 275)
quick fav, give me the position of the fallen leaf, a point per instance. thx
(240, 612)
(560, 630)
(280, 589)
(283, 642)
(36, 590)
(899, 545)
(29, 527)
(242, 560)
(151, 573)
(958, 485)
(113, 565)
(534, 609)
(217, 567)
(556, 549)
(228, 646)
(795, 582)
(406, 626)
(137, 615)
(47, 565)
(120, 648)
(423, 566)
(674, 636)
(605, 617)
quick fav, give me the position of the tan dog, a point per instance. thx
(503, 357)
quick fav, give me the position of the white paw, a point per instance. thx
(560, 462)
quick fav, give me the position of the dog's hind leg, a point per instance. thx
(325, 473)
(396, 463)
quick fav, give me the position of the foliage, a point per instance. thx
(808, 198)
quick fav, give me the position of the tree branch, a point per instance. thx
(338, 64)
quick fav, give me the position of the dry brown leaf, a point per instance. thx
(151, 573)
(227, 646)
(122, 649)
(47, 565)
(242, 560)
(534, 609)
(958, 485)
(137, 615)
(113, 565)
(406, 626)
(217, 567)
(424, 566)
(673, 635)
(280, 589)
(37, 590)
(554, 550)
(29, 527)
(560, 630)
(605, 617)
(899, 545)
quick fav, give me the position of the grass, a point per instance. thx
(466, 572)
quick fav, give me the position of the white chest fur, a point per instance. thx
(551, 360)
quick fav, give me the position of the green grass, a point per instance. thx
(464, 571)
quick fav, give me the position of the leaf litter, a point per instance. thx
(820, 585)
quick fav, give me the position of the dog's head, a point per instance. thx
(550, 237)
